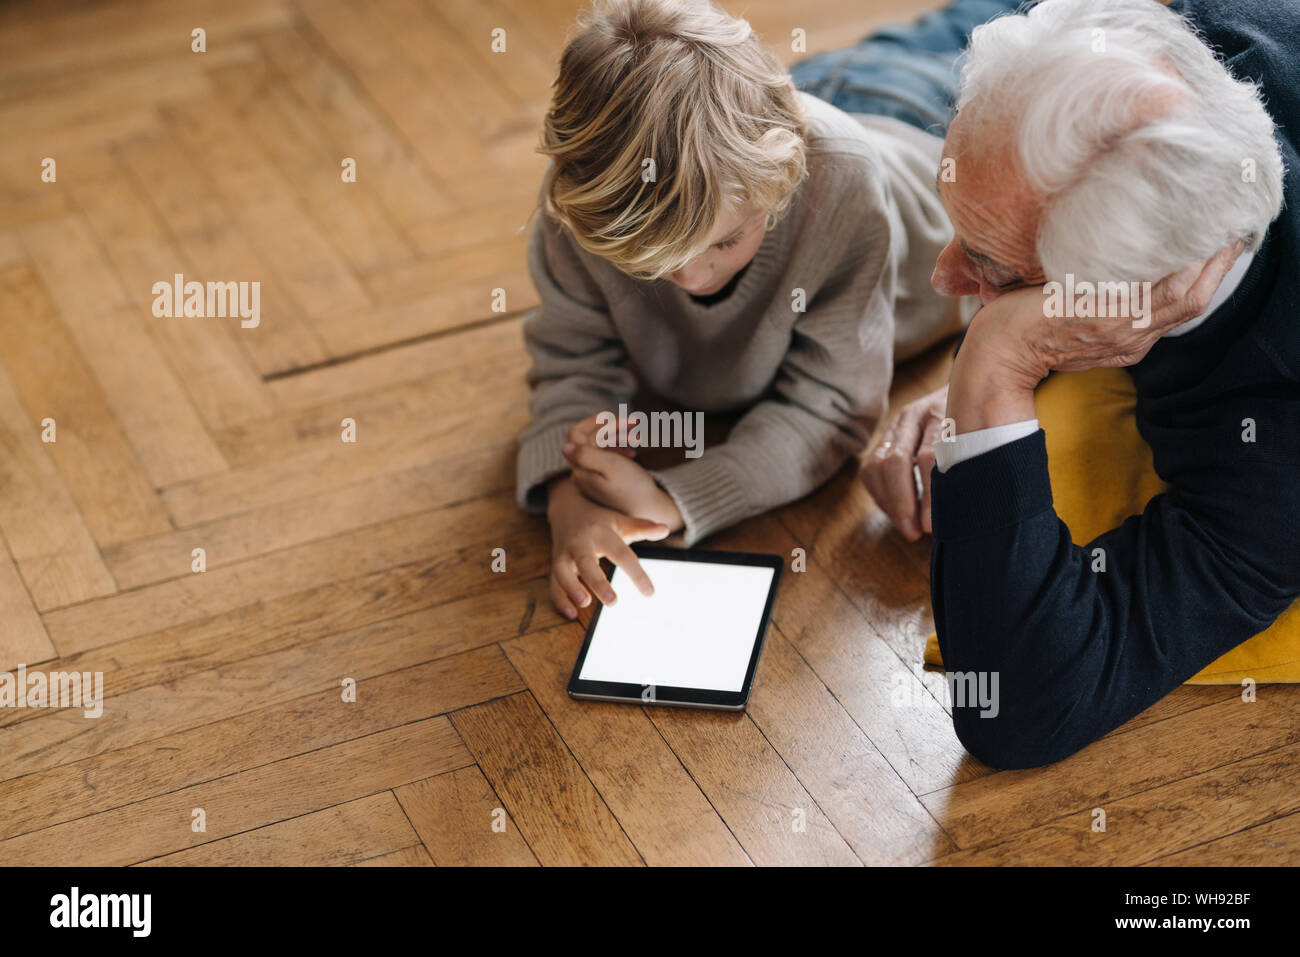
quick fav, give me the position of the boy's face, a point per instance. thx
(731, 246)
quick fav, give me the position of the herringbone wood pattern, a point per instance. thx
(369, 561)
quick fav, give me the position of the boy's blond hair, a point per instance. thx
(686, 87)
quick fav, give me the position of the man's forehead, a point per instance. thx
(994, 215)
(977, 146)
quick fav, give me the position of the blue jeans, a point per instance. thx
(910, 72)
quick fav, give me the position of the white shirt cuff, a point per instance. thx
(959, 448)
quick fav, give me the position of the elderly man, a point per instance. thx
(1113, 141)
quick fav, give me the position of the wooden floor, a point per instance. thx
(370, 561)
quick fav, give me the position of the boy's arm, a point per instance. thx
(579, 362)
(828, 394)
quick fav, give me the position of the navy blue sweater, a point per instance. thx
(1209, 563)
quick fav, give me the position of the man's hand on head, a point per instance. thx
(1012, 344)
(1032, 343)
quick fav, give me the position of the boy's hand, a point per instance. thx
(587, 432)
(612, 479)
(582, 533)
(608, 475)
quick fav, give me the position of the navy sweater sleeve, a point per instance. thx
(1078, 650)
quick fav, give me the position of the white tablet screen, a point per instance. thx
(697, 630)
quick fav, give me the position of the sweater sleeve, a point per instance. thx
(827, 396)
(579, 361)
(1074, 641)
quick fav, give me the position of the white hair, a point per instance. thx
(1150, 155)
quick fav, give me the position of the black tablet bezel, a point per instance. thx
(589, 690)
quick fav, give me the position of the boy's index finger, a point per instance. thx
(621, 555)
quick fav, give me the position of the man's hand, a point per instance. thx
(582, 533)
(1038, 344)
(610, 477)
(1010, 347)
(1012, 344)
(907, 443)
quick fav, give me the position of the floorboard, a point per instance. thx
(344, 678)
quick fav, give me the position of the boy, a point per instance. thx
(745, 247)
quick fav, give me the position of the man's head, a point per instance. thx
(1100, 138)
(675, 140)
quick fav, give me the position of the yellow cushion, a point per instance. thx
(1101, 473)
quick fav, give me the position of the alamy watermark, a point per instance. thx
(958, 689)
(213, 300)
(640, 430)
(1100, 300)
(58, 689)
(75, 909)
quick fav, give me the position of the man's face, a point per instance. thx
(993, 213)
(732, 245)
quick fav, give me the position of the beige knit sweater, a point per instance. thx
(860, 239)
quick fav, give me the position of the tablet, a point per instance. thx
(694, 643)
